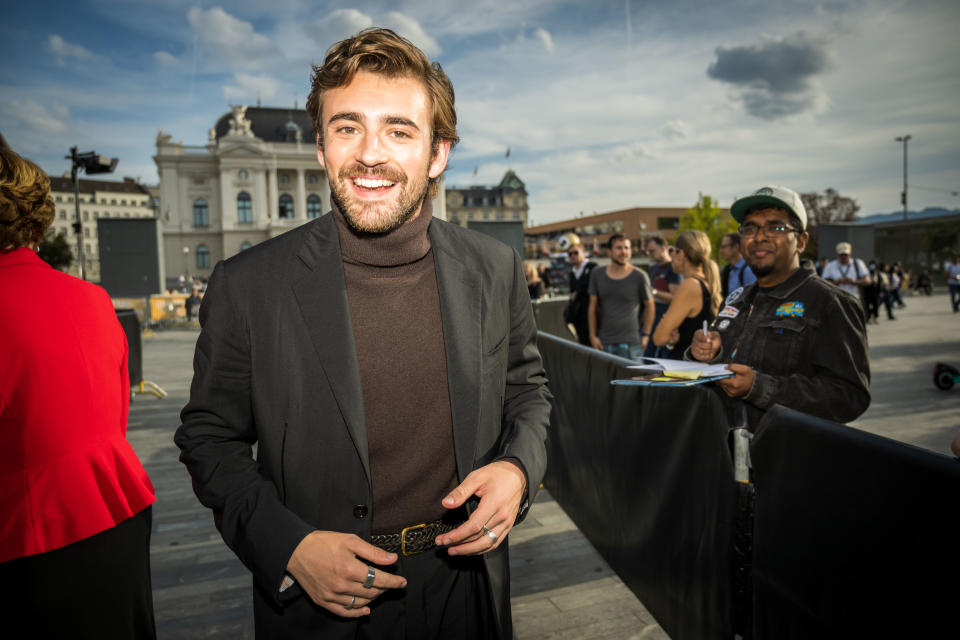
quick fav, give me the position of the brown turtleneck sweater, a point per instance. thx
(397, 330)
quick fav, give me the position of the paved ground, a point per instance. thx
(561, 587)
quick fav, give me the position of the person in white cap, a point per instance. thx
(790, 338)
(847, 272)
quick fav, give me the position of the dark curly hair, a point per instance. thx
(26, 207)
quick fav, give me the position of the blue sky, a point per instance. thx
(604, 105)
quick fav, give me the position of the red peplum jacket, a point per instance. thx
(67, 471)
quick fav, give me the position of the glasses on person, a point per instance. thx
(573, 253)
(770, 229)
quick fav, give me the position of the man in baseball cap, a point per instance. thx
(790, 338)
(847, 272)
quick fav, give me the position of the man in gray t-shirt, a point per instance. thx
(617, 293)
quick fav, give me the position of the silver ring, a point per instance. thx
(353, 600)
(368, 581)
(490, 534)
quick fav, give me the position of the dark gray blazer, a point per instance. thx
(275, 365)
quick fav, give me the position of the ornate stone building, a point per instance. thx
(256, 177)
(506, 202)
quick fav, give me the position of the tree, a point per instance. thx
(828, 208)
(55, 251)
(709, 218)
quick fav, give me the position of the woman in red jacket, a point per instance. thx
(74, 498)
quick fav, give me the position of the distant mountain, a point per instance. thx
(929, 212)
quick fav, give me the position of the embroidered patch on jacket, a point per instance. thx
(723, 324)
(729, 312)
(790, 309)
(733, 295)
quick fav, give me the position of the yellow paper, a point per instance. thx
(685, 374)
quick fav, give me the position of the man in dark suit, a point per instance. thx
(579, 305)
(385, 363)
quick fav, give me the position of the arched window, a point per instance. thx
(201, 214)
(245, 245)
(244, 207)
(314, 206)
(286, 206)
(203, 257)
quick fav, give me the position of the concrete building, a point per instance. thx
(256, 178)
(638, 224)
(98, 199)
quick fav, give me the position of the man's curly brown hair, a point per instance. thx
(26, 207)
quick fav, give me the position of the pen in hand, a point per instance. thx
(704, 328)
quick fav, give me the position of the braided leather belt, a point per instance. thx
(413, 540)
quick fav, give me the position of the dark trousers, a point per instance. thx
(445, 597)
(97, 588)
(888, 303)
(871, 300)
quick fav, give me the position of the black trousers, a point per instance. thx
(97, 588)
(445, 597)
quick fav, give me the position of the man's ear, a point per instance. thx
(802, 241)
(441, 153)
(320, 152)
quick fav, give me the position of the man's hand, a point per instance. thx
(740, 384)
(330, 568)
(501, 487)
(705, 347)
(595, 342)
(644, 340)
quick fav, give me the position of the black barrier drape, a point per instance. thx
(548, 314)
(646, 475)
(131, 327)
(855, 535)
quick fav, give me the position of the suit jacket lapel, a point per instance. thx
(320, 289)
(460, 308)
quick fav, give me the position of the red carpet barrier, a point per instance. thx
(855, 535)
(646, 475)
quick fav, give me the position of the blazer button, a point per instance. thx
(360, 511)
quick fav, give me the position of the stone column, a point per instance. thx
(273, 194)
(300, 204)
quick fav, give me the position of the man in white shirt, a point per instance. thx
(953, 282)
(847, 272)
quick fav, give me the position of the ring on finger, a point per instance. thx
(368, 581)
(353, 600)
(490, 534)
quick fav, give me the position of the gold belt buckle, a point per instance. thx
(403, 538)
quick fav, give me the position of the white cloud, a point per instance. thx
(34, 116)
(250, 87)
(412, 31)
(232, 40)
(675, 129)
(544, 37)
(165, 58)
(338, 25)
(63, 49)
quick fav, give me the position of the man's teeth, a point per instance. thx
(369, 183)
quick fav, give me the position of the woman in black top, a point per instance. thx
(698, 297)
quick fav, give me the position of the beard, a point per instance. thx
(378, 218)
(761, 271)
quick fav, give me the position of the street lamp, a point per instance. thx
(91, 163)
(903, 194)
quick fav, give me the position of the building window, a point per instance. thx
(311, 179)
(244, 207)
(201, 214)
(242, 174)
(314, 206)
(203, 257)
(245, 245)
(286, 206)
(63, 215)
(500, 214)
(284, 179)
(668, 223)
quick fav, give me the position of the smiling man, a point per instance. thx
(385, 364)
(791, 337)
